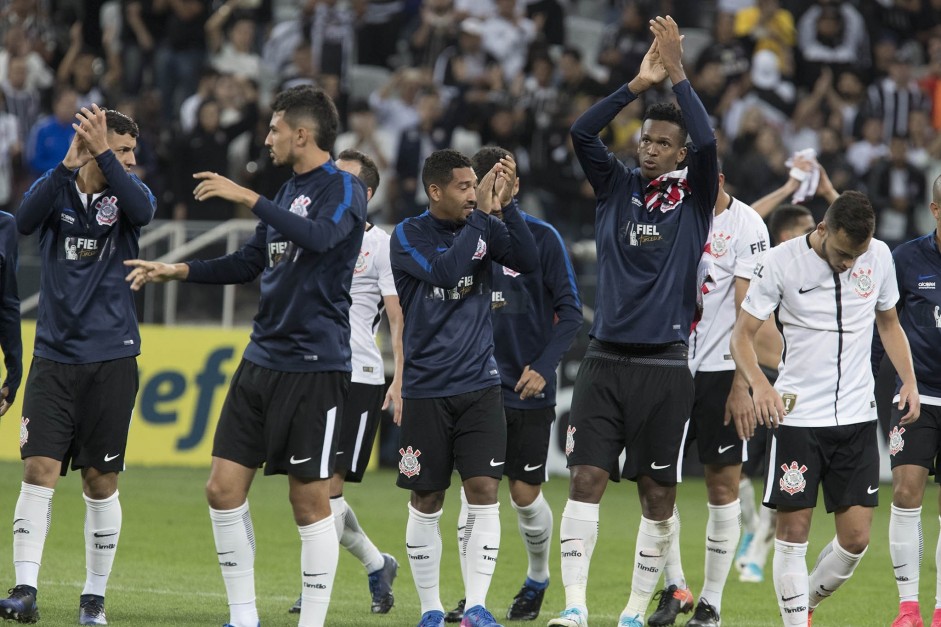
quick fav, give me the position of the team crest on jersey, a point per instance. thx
(896, 441)
(299, 205)
(409, 465)
(793, 480)
(361, 264)
(107, 211)
(720, 244)
(863, 282)
(569, 440)
(481, 249)
(510, 272)
(24, 431)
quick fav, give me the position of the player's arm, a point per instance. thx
(396, 327)
(900, 354)
(769, 408)
(416, 254)
(334, 220)
(510, 242)
(739, 407)
(10, 337)
(559, 280)
(136, 202)
(239, 267)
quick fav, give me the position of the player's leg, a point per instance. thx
(789, 566)
(457, 614)
(936, 616)
(656, 436)
(238, 450)
(425, 468)
(594, 439)
(851, 491)
(480, 457)
(103, 519)
(320, 548)
(46, 434)
(528, 434)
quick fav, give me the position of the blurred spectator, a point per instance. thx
(50, 137)
(716, 93)
(26, 17)
(21, 99)
(471, 75)
(394, 102)
(507, 36)
(332, 39)
(832, 157)
(846, 102)
(832, 32)
(770, 93)
(16, 45)
(10, 148)
(549, 18)
(437, 30)
(897, 189)
(768, 26)
(181, 52)
(429, 134)
(231, 42)
(204, 89)
(895, 96)
(378, 25)
(366, 136)
(871, 147)
(574, 79)
(727, 48)
(920, 138)
(757, 168)
(142, 28)
(624, 44)
(77, 69)
(283, 40)
(930, 81)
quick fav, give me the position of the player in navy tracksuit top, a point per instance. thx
(453, 410)
(535, 318)
(634, 389)
(914, 448)
(286, 397)
(10, 339)
(82, 383)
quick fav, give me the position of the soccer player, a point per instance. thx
(10, 338)
(914, 448)
(535, 319)
(827, 289)
(785, 223)
(721, 412)
(80, 392)
(373, 292)
(453, 408)
(287, 394)
(634, 389)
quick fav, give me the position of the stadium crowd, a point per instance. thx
(858, 82)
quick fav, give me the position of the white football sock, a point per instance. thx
(722, 534)
(790, 581)
(235, 547)
(481, 547)
(355, 540)
(31, 519)
(653, 543)
(102, 530)
(461, 526)
(834, 566)
(338, 509)
(761, 543)
(535, 525)
(423, 544)
(746, 496)
(578, 533)
(906, 548)
(320, 551)
(673, 568)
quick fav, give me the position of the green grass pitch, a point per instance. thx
(166, 573)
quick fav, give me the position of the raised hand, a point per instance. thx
(93, 129)
(212, 185)
(77, 155)
(153, 272)
(505, 183)
(670, 45)
(486, 197)
(651, 70)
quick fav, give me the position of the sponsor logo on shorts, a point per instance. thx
(24, 432)
(793, 480)
(863, 283)
(723, 449)
(872, 490)
(569, 440)
(528, 468)
(107, 211)
(495, 463)
(896, 441)
(109, 457)
(481, 251)
(656, 466)
(299, 461)
(409, 465)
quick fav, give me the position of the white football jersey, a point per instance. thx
(826, 319)
(372, 279)
(739, 236)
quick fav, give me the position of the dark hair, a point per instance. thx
(784, 217)
(486, 158)
(851, 213)
(440, 165)
(368, 172)
(313, 103)
(121, 124)
(668, 112)
(572, 51)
